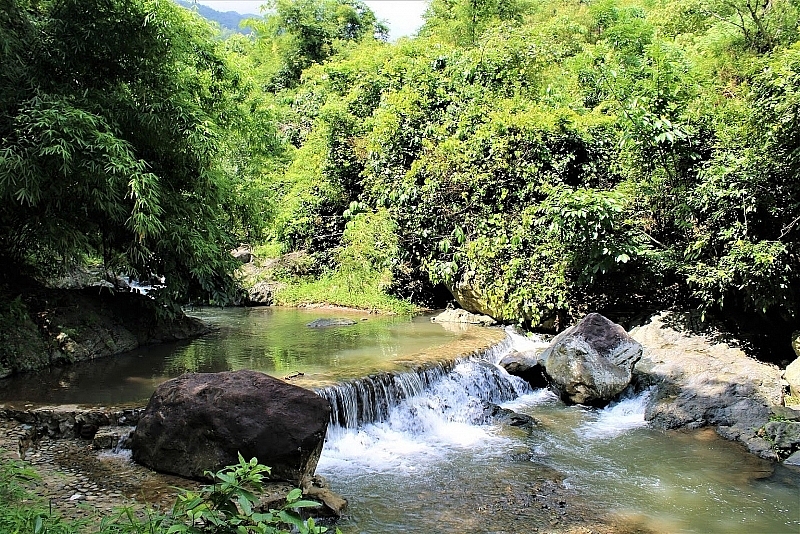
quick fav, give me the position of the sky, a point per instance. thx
(404, 17)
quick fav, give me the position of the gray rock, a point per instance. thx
(785, 413)
(326, 323)
(201, 422)
(705, 382)
(794, 459)
(591, 363)
(111, 437)
(243, 254)
(784, 435)
(527, 366)
(504, 416)
(792, 376)
(333, 504)
(463, 316)
(263, 293)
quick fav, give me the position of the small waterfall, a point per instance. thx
(618, 417)
(462, 385)
(369, 399)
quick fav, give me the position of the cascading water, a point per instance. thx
(455, 387)
(415, 452)
(398, 422)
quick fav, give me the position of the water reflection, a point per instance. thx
(272, 340)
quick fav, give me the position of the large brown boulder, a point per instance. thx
(592, 362)
(199, 422)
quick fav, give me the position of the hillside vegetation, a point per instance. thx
(537, 158)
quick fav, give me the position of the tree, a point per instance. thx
(762, 23)
(306, 32)
(463, 21)
(110, 124)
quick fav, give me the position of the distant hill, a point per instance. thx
(228, 20)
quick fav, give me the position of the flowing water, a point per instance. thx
(412, 448)
(276, 341)
(430, 462)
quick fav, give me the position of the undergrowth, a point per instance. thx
(335, 289)
(229, 506)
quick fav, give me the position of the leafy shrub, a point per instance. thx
(229, 506)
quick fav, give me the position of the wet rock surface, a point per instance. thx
(527, 366)
(504, 416)
(784, 436)
(703, 379)
(81, 482)
(74, 475)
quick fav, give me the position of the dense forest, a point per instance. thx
(537, 159)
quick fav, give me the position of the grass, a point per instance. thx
(270, 249)
(335, 289)
(226, 506)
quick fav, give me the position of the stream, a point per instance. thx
(412, 449)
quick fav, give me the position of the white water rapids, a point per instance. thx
(424, 458)
(434, 415)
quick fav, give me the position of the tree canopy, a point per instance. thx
(546, 157)
(113, 117)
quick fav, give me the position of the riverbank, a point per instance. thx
(72, 467)
(703, 378)
(46, 326)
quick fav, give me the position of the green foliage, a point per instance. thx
(337, 289)
(365, 267)
(20, 511)
(114, 115)
(305, 32)
(591, 225)
(370, 246)
(463, 21)
(227, 506)
(539, 152)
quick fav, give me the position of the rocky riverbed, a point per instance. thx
(704, 378)
(82, 483)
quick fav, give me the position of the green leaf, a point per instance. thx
(293, 495)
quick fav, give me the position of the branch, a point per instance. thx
(788, 228)
(653, 239)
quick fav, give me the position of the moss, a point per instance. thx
(21, 345)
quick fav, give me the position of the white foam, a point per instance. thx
(528, 342)
(618, 417)
(425, 427)
(534, 398)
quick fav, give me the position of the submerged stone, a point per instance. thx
(326, 323)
